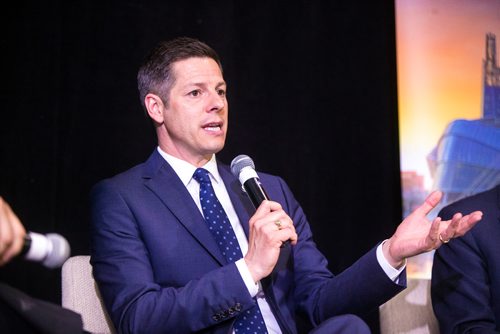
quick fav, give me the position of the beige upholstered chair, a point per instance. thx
(80, 294)
(410, 312)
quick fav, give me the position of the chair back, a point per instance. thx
(81, 294)
(410, 311)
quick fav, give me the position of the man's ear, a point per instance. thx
(155, 107)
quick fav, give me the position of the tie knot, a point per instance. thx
(201, 175)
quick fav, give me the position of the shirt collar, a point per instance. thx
(185, 170)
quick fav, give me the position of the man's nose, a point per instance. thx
(217, 102)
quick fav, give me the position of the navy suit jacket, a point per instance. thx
(160, 271)
(466, 271)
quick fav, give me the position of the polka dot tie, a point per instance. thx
(218, 223)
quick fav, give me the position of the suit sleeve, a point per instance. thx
(137, 303)
(321, 294)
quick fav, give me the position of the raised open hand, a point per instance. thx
(417, 234)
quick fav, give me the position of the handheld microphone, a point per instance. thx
(244, 169)
(52, 249)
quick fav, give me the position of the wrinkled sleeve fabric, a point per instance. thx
(320, 295)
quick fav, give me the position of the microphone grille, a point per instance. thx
(59, 253)
(240, 162)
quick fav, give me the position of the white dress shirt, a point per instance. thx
(185, 172)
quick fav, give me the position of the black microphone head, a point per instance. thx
(240, 162)
(59, 253)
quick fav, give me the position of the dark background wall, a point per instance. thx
(312, 95)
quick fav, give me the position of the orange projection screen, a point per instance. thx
(449, 101)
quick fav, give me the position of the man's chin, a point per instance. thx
(216, 148)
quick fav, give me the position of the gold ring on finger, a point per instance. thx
(443, 241)
(278, 223)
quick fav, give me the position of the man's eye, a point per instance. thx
(195, 93)
(221, 92)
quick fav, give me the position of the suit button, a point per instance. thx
(216, 317)
(237, 307)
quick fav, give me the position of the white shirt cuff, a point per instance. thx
(389, 270)
(252, 287)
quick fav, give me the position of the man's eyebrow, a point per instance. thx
(203, 84)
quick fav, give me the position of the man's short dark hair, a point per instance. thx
(155, 74)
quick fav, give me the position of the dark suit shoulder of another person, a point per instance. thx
(466, 271)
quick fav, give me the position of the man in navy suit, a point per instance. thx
(466, 272)
(156, 262)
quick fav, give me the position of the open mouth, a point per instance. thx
(213, 127)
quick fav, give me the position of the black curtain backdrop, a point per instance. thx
(312, 96)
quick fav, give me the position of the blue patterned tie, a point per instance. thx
(218, 223)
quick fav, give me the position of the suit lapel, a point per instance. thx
(161, 179)
(241, 203)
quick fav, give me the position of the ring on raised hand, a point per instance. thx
(278, 223)
(443, 241)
